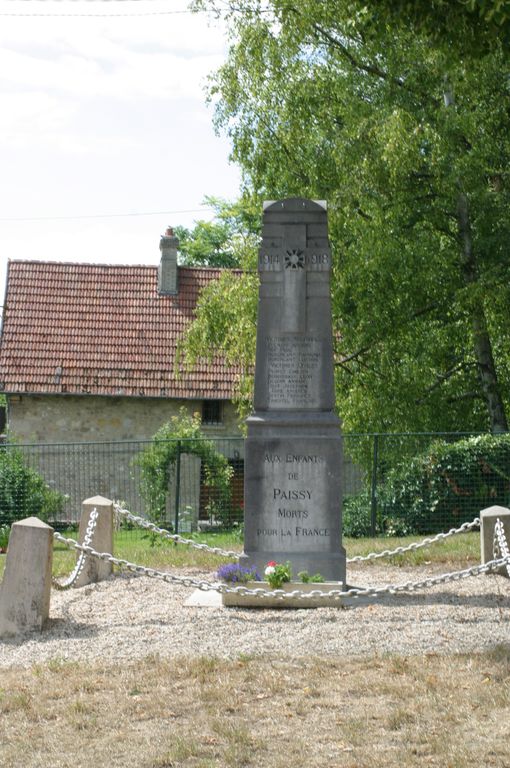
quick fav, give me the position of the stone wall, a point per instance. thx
(70, 418)
(84, 446)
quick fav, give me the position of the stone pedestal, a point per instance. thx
(26, 587)
(95, 570)
(488, 518)
(294, 447)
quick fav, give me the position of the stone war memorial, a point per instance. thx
(293, 492)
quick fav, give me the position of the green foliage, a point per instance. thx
(182, 434)
(305, 578)
(321, 101)
(224, 242)
(472, 26)
(442, 488)
(356, 515)
(5, 531)
(23, 492)
(225, 324)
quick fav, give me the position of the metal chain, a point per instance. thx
(408, 586)
(500, 546)
(87, 541)
(143, 523)
(415, 545)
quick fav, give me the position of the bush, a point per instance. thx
(182, 434)
(356, 515)
(23, 492)
(442, 488)
(4, 538)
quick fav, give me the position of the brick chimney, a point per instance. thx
(167, 271)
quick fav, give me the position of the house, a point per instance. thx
(88, 352)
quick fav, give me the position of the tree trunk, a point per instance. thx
(481, 338)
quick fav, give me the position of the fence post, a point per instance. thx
(488, 519)
(26, 586)
(102, 541)
(177, 486)
(373, 488)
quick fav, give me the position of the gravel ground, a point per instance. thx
(130, 617)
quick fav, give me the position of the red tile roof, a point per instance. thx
(102, 330)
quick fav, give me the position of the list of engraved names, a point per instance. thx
(293, 366)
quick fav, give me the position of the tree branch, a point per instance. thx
(369, 68)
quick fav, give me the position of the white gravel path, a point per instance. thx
(130, 617)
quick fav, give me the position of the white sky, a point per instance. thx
(105, 116)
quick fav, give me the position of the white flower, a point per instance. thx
(269, 570)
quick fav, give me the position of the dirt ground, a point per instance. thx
(444, 711)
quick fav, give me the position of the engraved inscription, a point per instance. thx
(294, 259)
(293, 368)
(269, 261)
(291, 501)
(318, 261)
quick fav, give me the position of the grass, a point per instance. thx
(136, 546)
(448, 712)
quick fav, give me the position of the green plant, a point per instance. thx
(23, 492)
(305, 577)
(182, 434)
(277, 573)
(441, 488)
(356, 515)
(4, 537)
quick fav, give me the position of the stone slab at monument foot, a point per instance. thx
(294, 445)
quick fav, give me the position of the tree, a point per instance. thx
(410, 146)
(471, 26)
(222, 242)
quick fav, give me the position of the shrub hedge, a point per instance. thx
(445, 486)
(23, 492)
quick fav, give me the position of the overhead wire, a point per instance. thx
(203, 209)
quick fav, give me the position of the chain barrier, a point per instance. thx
(206, 586)
(500, 547)
(142, 522)
(416, 545)
(78, 568)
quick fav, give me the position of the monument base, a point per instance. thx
(234, 600)
(330, 565)
(293, 493)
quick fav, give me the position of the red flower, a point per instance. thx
(272, 563)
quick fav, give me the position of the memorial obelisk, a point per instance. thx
(293, 459)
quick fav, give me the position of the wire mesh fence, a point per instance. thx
(392, 483)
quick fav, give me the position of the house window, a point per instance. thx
(212, 412)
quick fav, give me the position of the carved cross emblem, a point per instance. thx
(294, 259)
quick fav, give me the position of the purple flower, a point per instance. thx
(237, 574)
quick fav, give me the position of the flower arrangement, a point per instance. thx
(234, 573)
(277, 573)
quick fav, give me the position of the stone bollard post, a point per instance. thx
(94, 569)
(26, 586)
(488, 519)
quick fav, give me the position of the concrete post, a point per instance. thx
(94, 569)
(488, 519)
(26, 586)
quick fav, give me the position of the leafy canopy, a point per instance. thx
(410, 145)
(222, 242)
